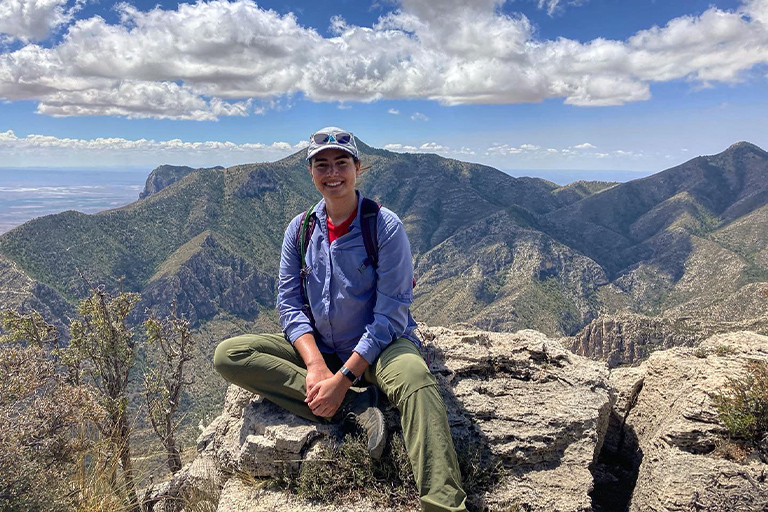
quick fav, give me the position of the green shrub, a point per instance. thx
(743, 406)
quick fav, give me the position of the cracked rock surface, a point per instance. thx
(519, 399)
(673, 415)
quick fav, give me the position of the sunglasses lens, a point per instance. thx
(343, 138)
(320, 138)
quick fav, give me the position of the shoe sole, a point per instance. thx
(377, 442)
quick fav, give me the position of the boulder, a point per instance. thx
(667, 405)
(521, 401)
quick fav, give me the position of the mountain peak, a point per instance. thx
(742, 145)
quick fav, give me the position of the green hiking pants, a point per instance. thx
(268, 365)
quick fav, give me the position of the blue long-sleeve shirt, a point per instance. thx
(353, 310)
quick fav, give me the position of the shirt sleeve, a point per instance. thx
(289, 300)
(394, 292)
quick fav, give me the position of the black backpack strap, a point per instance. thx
(303, 236)
(369, 217)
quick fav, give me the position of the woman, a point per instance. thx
(346, 319)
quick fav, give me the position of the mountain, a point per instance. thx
(685, 241)
(490, 250)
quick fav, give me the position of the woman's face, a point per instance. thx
(334, 173)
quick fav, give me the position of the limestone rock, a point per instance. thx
(519, 399)
(542, 411)
(670, 407)
(629, 338)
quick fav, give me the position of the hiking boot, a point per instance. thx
(364, 411)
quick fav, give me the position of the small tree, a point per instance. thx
(106, 346)
(164, 380)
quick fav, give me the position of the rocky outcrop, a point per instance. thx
(628, 338)
(568, 436)
(164, 176)
(667, 405)
(259, 181)
(18, 291)
(519, 399)
(540, 410)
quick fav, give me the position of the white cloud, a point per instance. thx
(553, 6)
(393, 111)
(46, 149)
(33, 20)
(418, 116)
(208, 59)
(428, 147)
(502, 149)
(586, 145)
(529, 147)
(401, 148)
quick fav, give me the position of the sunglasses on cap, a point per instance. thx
(332, 138)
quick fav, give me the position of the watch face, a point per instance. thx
(348, 374)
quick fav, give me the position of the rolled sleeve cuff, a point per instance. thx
(294, 332)
(368, 349)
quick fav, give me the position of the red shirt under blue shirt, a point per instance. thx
(342, 229)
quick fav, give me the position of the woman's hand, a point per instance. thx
(326, 396)
(316, 373)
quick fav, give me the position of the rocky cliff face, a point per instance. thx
(165, 175)
(569, 436)
(203, 277)
(628, 338)
(667, 405)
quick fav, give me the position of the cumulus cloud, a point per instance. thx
(33, 20)
(393, 111)
(209, 59)
(418, 116)
(586, 145)
(108, 150)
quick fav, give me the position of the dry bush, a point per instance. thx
(41, 419)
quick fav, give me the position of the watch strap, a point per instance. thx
(348, 374)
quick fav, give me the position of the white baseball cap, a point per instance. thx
(332, 137)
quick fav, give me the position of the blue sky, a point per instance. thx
(526, 84)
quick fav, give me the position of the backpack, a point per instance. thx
(369, 216)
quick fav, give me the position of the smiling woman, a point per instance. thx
(344, 295)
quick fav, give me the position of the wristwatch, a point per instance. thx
(348, 374)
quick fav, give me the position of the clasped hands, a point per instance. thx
(325, 390)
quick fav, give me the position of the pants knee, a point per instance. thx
(229, 352)
(220, 358)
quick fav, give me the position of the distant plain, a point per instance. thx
(29, 193)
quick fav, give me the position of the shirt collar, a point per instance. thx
(322, 218)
